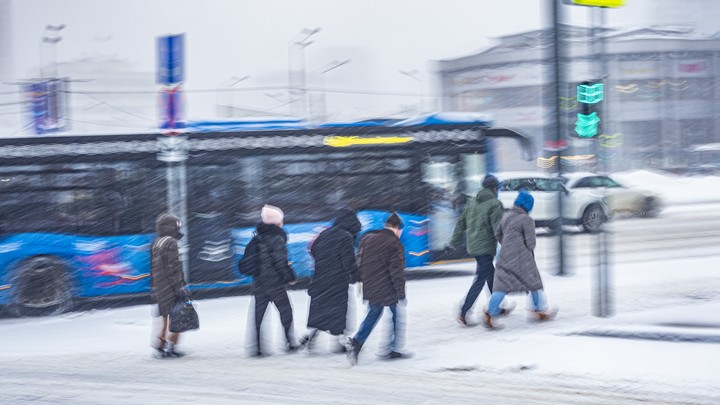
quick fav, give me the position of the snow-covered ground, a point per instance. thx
(660, 347)
(674, 189)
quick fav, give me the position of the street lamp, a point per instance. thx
(297, 92)
(232, 81)
(51, 36)
(331, 66)
(414, 74)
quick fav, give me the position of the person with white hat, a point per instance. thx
(266, 259)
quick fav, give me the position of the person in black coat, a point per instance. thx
(335, 269)
(266, 258)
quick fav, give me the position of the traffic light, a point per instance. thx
(589, 96)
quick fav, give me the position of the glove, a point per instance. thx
(403, 302)
(449, 249)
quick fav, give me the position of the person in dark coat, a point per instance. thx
(167, 281)
(381, 260)
(335, 268)
(516, 270)
(267, 253)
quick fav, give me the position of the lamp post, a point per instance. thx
(332, 66)
(297, 92)
(413, 74)
(222, 87)
(50, 36)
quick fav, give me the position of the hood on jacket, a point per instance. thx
(168, 225)
(264, 230)
(485, 194)
(347, 220)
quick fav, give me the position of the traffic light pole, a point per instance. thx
(602, 302)
(558, 82)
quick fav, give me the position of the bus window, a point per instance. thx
(309, 187)
(474, 171)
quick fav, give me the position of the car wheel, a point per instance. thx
(593, 218)
(650, 208)
(42, 287)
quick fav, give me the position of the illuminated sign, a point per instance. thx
(345, 141)
(596, 3)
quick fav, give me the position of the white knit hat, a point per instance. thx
(271, 215)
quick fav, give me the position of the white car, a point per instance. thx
(585, 209)
(619, 198)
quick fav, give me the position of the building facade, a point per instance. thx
(661, 100)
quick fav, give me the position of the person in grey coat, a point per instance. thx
(516, 270)
(167, 281)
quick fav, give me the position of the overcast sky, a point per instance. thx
(250, 37)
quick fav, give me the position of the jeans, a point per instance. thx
(485, 272)
(396, 337)
(497, 297)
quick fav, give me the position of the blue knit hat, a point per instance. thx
(525, 201)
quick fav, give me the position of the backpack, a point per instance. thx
(256, 254)
(247, 266)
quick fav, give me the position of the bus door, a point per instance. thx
(451, 180)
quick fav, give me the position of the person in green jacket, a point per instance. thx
(477, 224)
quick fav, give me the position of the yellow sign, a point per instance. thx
(600, 3)
(345, 141)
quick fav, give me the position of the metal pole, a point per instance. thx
(604, 299)
(558, 81)
(173, 149)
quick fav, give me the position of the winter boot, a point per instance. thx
(353, 350)
(507, 309)
(159, 353)
(340, 347)
(308, 342)
(393, 355)
(543, 316)
(462, 320)
(171, 352)
(488, 322)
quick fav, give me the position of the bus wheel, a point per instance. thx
(593, 218)
(42, 287)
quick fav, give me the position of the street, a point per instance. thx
(103, 356)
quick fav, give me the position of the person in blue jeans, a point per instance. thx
(516, 270)
(381, 261)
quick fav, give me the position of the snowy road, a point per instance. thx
(665, 279)
(679, 232)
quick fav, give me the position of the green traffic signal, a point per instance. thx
(586, 125)
(590, 93)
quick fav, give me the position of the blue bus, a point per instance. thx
(77, 213)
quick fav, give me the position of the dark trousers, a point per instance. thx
(279, 297)
(485, 273)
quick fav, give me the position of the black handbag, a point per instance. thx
(183, 316)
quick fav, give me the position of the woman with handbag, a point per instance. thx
(168, 282)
